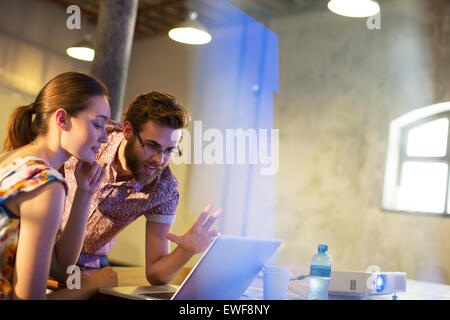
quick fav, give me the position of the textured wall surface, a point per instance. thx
(33, 40)
(340, 86)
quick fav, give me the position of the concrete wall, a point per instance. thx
(340, 86)
(33, 40)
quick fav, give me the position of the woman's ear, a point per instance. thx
(128, 130)
(62, 119)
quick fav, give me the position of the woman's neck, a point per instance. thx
(52, 153)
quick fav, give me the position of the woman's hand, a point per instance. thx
(103, 278)
(88, 176)
(199, 237)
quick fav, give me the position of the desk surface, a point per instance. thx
(416, 290)
(135, 276)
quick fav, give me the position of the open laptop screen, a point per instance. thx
(227, 268)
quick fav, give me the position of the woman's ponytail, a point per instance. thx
(20, 129)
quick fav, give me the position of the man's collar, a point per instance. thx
(130, 184)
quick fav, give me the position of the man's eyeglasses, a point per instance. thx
(153, 148)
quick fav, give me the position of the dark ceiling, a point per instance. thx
(156, 17)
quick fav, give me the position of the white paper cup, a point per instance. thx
(276, 281)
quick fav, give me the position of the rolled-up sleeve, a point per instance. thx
(164, 212)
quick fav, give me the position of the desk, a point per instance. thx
(298, 290)
(135, 276)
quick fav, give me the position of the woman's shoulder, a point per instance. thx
(25, 174)
(24, 165)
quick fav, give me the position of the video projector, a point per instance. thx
(366, 283)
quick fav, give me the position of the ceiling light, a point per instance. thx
(354, 8)
(191, 32)
(83, 50)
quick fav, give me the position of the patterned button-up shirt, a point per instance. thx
(117, 204)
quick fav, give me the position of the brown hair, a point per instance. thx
(160, 107)
(69, 91)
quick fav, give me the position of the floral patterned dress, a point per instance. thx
(22, 175)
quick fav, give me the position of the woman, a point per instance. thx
(67, 119)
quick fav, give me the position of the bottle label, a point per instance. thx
(320, 271)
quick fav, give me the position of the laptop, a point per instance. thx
(224, 272)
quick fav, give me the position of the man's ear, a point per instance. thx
(127, 130)
(62, 119)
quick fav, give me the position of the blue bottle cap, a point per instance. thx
(323, 247)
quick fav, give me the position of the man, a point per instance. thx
(139, 182)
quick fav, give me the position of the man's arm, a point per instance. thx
(161, 266)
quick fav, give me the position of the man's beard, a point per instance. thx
(136, 165)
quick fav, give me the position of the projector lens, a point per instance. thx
(381, 282)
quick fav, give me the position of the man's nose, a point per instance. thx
(158, 157)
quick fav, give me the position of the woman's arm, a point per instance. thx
(40, 215)
(69, 244)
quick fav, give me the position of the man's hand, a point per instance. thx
(88, 176)
(199, 237)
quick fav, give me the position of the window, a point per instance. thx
(417, 167)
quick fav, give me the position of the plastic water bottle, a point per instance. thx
(319, 275)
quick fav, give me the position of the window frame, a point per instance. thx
(397, 155)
